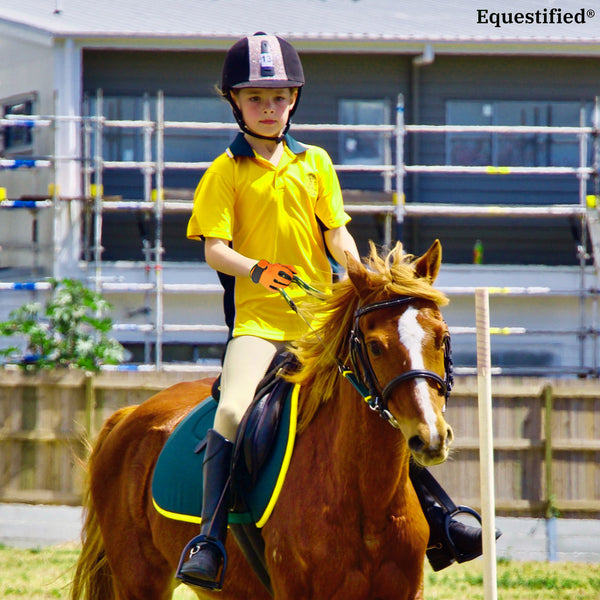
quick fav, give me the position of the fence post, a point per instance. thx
(90, 407)
(486, 443)
(551, 535)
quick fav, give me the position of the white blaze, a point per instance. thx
(411, 336)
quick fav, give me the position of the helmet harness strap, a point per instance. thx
(237, 113)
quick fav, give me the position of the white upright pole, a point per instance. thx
(158, 212)
(400, 133)
(486, 442)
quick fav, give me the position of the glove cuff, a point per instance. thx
(258, 269)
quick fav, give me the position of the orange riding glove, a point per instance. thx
(273, 276)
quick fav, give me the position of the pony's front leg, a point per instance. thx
(420, 592)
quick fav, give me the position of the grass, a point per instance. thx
(516, 581)
(36, 574)
(44, 574)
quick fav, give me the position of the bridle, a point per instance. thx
(363, 376)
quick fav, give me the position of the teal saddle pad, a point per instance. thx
(177, 480)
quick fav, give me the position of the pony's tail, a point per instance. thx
(93, 578)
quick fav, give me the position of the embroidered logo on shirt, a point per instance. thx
(312, 185)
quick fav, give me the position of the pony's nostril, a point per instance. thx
(416, 443)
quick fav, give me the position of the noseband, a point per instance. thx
(378, 395)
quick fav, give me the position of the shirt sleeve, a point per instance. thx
(213, 210)
(330, 203)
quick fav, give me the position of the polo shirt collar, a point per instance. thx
(241, 147)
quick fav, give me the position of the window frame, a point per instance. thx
(127, 143)
(374, 138)
(537, 145)
(18, 140)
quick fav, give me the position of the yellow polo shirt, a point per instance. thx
(271, 212)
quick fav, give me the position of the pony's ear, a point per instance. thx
(428, 265)
(358, 274)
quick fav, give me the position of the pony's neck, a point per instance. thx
(369, 454)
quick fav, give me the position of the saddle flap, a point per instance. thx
(260, 425)
(259, 428)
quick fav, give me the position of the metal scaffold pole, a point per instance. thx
(98, 191)
(594, 222)
(400, 170)
(582, 176)
(158, 211)
(143, 220)
(55, 201)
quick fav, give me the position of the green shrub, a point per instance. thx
(70, 330)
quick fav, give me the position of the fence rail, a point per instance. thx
(546, 438)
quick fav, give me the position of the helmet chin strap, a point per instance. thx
(277, 139)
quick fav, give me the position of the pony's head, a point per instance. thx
(401, 345)
(389, 312)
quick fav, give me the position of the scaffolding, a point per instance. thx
(394, 209)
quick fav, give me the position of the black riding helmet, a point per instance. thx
(261, 61)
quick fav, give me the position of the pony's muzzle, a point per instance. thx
(416, 444)
(431, 449)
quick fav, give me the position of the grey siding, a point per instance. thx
(498, 78)
(136, 72)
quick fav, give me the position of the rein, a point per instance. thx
(362, 376)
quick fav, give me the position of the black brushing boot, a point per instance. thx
(449, 539)
(204, 560)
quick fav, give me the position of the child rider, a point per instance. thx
(268, 208)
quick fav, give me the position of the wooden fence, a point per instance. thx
(546, 438)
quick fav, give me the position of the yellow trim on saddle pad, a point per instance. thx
(286, 458)
(176, 516)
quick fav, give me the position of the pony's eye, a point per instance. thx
(374, 348)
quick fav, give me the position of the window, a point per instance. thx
(180, 145)
(17, 139)
(197, 145)
(527, 150)
(363, 148)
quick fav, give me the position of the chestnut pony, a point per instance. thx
(348, 524)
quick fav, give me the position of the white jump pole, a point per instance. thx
(486, 442)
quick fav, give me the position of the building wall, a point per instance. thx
(332, 77)
(28, 69)
(531, 241)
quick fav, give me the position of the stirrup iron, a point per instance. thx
(194, 546)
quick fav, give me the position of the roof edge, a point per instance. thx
(573, 48)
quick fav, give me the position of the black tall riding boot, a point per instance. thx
(449, 539)
(204, 559)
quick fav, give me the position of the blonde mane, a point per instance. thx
(390, 276)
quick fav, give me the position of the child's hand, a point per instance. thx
(273, 276)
